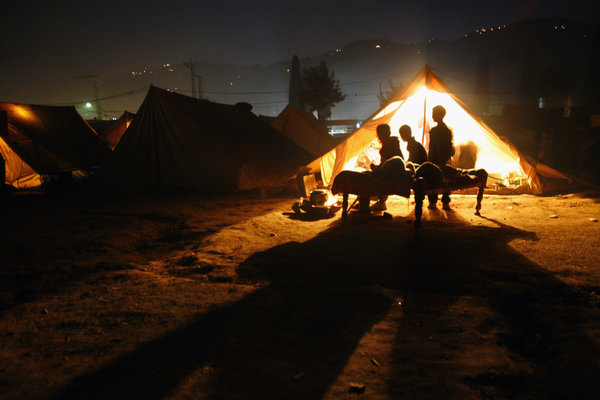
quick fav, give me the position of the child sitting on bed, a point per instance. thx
(390, 147)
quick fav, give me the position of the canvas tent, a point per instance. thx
(45, 140)
(304, 129)
(176, 140)
(115, 131)
(412, 106)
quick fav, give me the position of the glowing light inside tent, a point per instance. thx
(390, 108)
(331, 199)
(88, 105)
(492, 154)
(22, 112)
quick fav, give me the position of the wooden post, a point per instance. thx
(3, 134)
(345, 208)
(419, 191)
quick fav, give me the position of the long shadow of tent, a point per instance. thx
(292, 338)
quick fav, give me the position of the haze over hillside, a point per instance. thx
(362, 67)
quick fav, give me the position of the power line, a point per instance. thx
(225, 93)
(114, 96)
(341, 84)
(145, 88)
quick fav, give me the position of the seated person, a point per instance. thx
(390, 147)
(416, 151)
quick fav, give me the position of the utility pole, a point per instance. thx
(191, 64)
(91, 80)
(199, 86)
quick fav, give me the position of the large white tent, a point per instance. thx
(412, 106)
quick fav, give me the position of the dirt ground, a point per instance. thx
(187, 297)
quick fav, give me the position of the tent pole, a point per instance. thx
(424, 118)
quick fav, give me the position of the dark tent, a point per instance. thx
(100, 126)
(304, 129)
(177, 140)
(113, 134)
(45, 140)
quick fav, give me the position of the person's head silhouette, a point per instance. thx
(383, 132)
(438, 113)
(405, 132)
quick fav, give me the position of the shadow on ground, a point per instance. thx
(479, 321)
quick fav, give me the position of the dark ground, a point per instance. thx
(177, 297)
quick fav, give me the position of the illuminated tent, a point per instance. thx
(412, 106)
(46, 140)
(113, 134)
(176, 140)
(304, 129)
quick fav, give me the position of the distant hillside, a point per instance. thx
(362, 66)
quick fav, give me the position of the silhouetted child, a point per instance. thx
(416, 151)
(390, 147)
(441, 149)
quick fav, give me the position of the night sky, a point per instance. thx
(45, 45)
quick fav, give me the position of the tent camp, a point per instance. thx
(304, 129)
(45, 140)
(505, 165)
(176, 140)
(115, 131)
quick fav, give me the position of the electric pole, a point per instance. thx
(91, 80)
(191, 64)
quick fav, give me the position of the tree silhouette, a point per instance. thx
(529, 81)
(295, 90)
(555, 81)
(388, 95)
(543, 80)
(321, 90)
(592, 87)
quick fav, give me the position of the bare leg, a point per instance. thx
(446, 199)
(345, 208)
(483, 175)
(433, 198)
